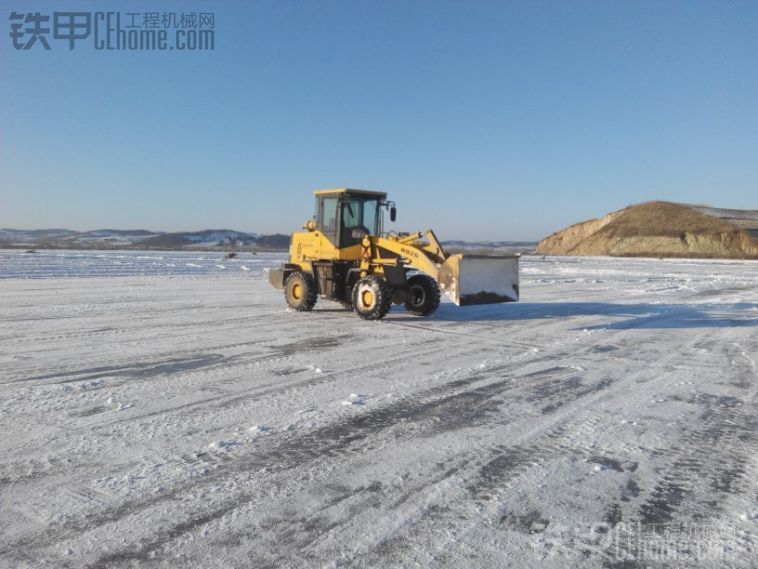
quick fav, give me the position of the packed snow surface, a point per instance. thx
(168, 410)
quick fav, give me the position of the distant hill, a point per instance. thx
(12, 235)
(746, 219)
(58, 238)
(275, 242)
(661, 229)
(208, 239)
(203, 239)
(224, 239)
(490, 247)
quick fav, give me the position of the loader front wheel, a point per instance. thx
(423, 296)
(372, 298)
(300, 291)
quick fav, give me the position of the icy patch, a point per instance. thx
(118, 406)
(259, 430)
(224, 445)
(355, 400)
(94, 384)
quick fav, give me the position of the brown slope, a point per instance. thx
(655, 229)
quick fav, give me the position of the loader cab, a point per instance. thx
(345, 216)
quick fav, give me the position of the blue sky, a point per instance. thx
(483, 120)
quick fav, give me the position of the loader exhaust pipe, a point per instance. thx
(480, 279)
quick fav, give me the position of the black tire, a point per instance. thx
(300, 291)
(423, 296)
(372, 298)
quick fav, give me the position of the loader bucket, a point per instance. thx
(480, 279)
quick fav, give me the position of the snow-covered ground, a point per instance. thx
(166, 409)
(48, 264)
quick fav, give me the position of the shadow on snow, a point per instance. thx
(621, 315)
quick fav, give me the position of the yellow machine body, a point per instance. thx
(345, 243)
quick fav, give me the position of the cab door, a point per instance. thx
(327, 217)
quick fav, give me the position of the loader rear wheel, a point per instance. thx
(300, 291)
(372, 298)
(423, 296)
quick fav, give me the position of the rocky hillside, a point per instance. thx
(660, 229)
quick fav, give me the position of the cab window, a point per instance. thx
(359, 217)
(327, 217)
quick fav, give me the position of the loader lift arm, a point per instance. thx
(466, 279)
(411, 251)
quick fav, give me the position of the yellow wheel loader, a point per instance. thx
(345, 255)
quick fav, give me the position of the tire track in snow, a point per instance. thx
(282, 353)
(333, 451)
(713, 462)
(707, 472)
(330, 442)
(500, 467)
(534, 398)
(337, 442)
